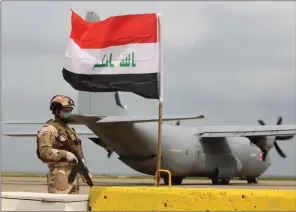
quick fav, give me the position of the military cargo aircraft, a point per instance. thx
(217, 152)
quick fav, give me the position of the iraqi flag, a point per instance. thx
(120, 53)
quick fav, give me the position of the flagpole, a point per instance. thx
(160, 100)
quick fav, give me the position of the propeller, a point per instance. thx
(281, 137)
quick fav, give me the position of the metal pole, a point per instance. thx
(160, 100)
(159, 142)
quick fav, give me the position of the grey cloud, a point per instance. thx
(49, 33)
(240, 57)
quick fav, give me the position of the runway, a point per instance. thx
(38, 184)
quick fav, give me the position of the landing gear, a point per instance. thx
(175, 180)
(217, 180)
(220, 181)
(252, 180)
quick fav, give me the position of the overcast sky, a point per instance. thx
(232, 61)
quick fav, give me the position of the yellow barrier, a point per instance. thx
(166, 171)
(190, 199)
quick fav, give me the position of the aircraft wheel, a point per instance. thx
(225, 181)
(253, 180)
(175, 180)
(249, 180)
(220, 181)
(166, 180)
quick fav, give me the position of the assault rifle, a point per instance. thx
(81, 168)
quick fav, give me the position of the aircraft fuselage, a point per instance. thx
(184, 153)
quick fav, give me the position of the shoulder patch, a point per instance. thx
(47, 129)
(62, 138)
(43, 132)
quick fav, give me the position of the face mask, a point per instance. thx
(67, 115)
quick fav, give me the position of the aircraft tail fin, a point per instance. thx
(101, 104)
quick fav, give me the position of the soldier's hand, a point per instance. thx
(70, 157)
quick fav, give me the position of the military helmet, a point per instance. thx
(59, 101)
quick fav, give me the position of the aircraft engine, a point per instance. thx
(265, 143)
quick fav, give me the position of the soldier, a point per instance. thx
(52, 147)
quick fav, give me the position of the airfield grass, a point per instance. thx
(106, 176)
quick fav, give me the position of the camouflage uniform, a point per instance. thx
(51, 149)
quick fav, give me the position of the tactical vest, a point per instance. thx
(65, 140)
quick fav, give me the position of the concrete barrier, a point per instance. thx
(33, 201)
(190, 199)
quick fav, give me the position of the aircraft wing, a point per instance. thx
(30, 134)
(91, 120)
(246, 131)
(85, 119)
(139, 119)
(80, 118)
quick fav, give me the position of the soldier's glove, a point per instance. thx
(70, 157)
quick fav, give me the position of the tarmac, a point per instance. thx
(38, 184)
